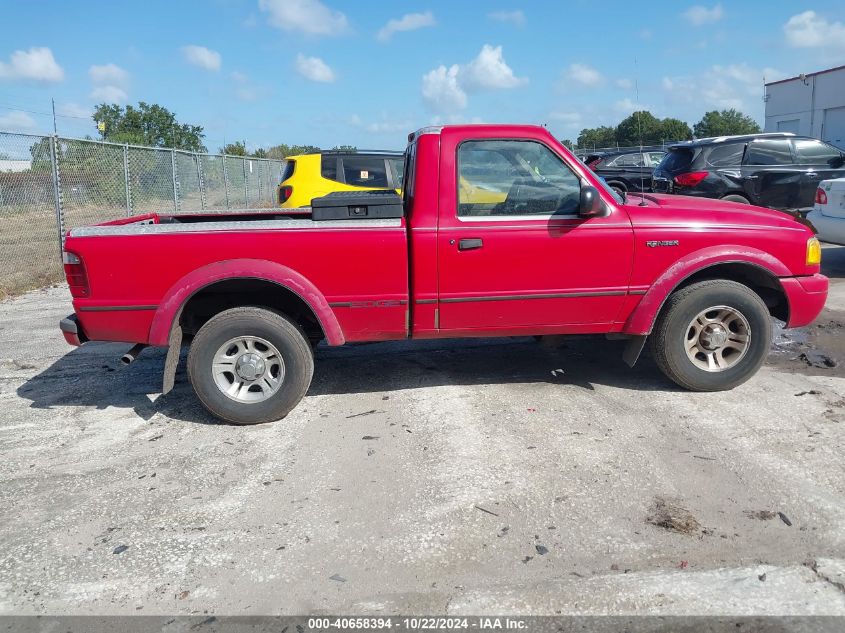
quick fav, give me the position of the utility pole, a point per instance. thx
(55, 132)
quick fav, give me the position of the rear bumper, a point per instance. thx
(806, 296)
(829, 229)
(72, 330)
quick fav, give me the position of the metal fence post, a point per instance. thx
(175, 181)
(226, 181)
(126, 179)
(260, 199)
(57, 191)
(246, 186)
(201, 182)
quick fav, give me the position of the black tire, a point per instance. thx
(618, 187)
(735, 197)
(292, 344)
(673, 326)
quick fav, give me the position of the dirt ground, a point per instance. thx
(457, 477)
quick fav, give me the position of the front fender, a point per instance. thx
(177, 296)
(641, 320)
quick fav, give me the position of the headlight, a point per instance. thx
(814, 252)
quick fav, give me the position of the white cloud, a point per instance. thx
(646, 34)
(584, 75)
(35, 64)
(810, 30)
(568, 121)
(625, 84)
(441, 90)
(408, 22)
(110, 83)
(108, 74)
(314, 69)
(109, 94)
(719, 87)
(73, 110)
(311, 17)
(202, 57)
(626, 106)
(239, 77)
(382, 126)
(699, 15)
(445, 89)
(490, 71)
(516, 18)
(17, 122)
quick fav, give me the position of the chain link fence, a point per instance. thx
(49, 184)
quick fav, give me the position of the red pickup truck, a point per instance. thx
(500, 232)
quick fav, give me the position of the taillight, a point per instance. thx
(593, 164)
(821, 196)
(690, 179)
(75, 273)
(285, 193)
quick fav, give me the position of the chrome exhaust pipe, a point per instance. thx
(132, 354)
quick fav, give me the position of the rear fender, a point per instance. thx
(642, 318)
(171, 305)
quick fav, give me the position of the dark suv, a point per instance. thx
(626, 169)
(779, 170)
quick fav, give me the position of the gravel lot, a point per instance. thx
(456, 477)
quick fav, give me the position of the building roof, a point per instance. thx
(818, 72)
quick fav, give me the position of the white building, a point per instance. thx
(809, 105)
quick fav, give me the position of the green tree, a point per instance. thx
(725, 123)
(148, 124)
(260, 153)
(603, 136)
(675, 130)
(639, 128)
(238, 148)
(567, 143)
(283, 150)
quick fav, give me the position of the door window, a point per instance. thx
(363, 171)
(628, 160)
(812, 152)
(514, 178)
(655, 158)
(769, 152)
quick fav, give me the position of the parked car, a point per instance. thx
(626, 169)
(828, 214)
(778, 170)
(560, 253)
(310, 176)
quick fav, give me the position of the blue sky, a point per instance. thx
(327, 72)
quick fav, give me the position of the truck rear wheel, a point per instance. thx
(250, 365)
(712, 336)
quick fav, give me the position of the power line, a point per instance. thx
(15, 108)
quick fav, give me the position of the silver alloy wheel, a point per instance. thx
(248, 369)
(717, 339)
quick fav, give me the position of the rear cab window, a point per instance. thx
(768, 152)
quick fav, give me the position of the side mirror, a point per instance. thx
(590, 204)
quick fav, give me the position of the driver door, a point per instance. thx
(513, 253)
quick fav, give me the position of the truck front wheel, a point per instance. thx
(712, 335)
(250, 365)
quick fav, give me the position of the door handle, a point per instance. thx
(813, 175)
(470, 244)
(750, 177)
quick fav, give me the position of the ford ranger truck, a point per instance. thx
(500, 232)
